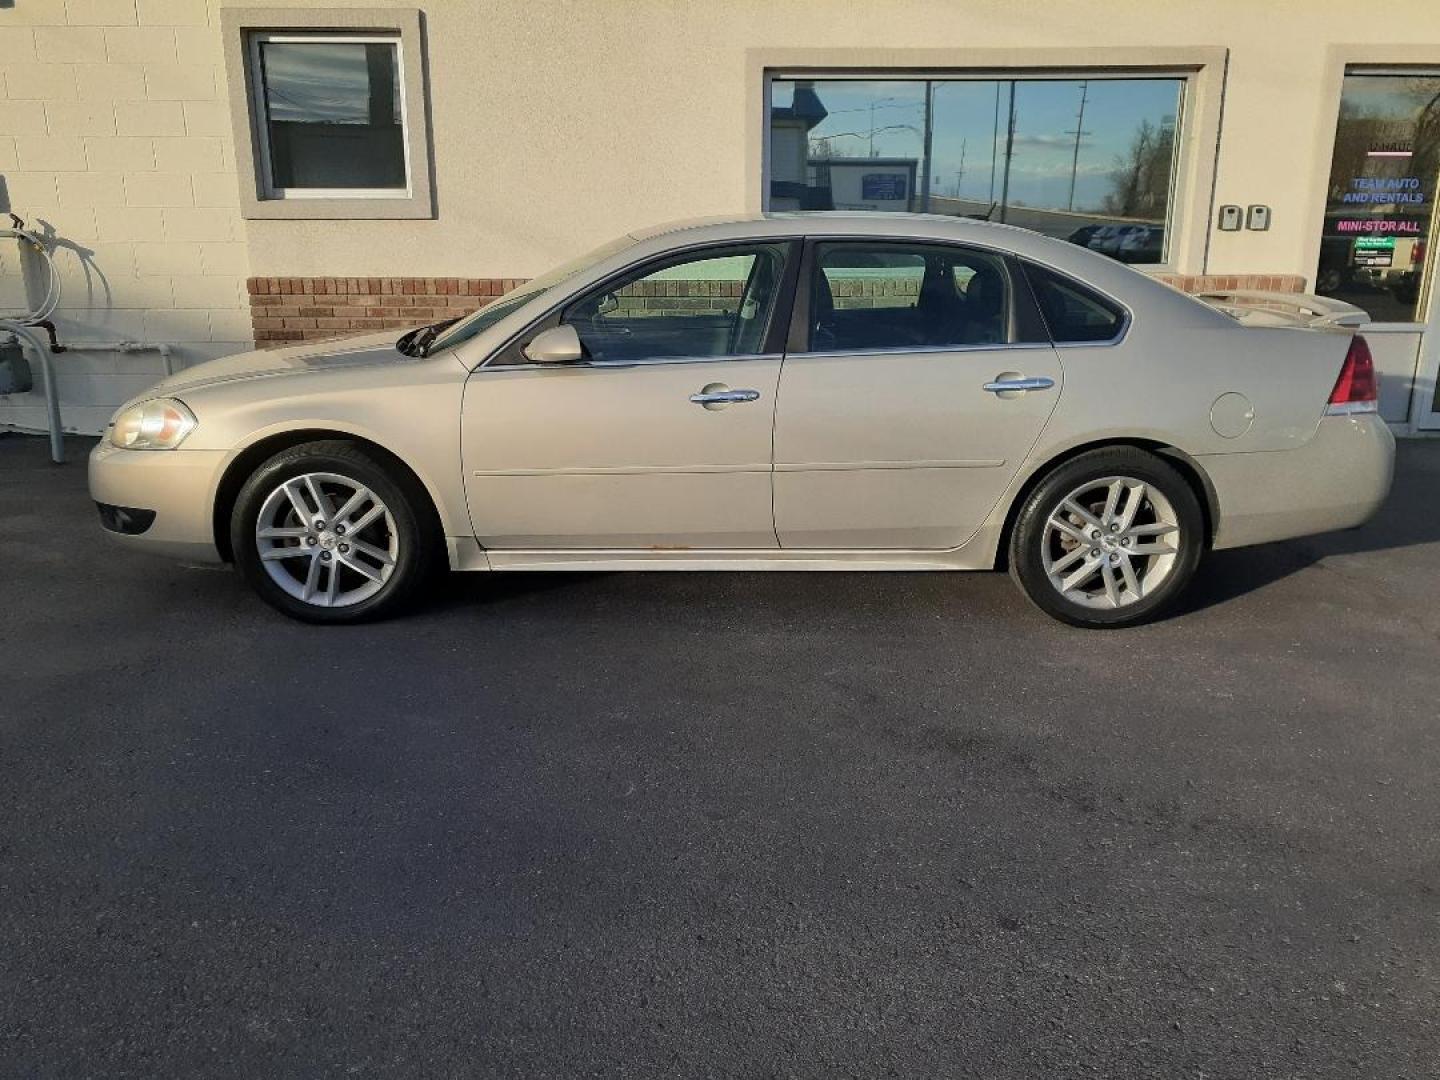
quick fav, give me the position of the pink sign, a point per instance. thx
(1376, 225)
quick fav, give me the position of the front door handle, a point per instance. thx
(1005, 386)
(718, 395)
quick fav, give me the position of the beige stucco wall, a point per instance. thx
(115, 140)
(558, 124)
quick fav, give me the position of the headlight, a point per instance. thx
(157, 424)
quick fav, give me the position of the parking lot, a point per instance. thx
(698, 825)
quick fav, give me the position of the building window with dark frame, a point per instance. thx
(1379, 229)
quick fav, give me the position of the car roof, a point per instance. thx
(1124, 283)
(832, 223)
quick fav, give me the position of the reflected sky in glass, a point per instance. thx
(321, 83)
(970, 120)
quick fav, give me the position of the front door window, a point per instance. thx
(711, 304)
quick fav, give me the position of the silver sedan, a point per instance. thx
(789, 392)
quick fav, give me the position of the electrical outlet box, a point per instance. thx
(1229, 218)
(1257, 217)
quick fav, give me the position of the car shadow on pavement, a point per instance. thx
(453, 591)
(1228, 575)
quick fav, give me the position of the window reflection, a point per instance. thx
(706, 305)
(1382, 186)
(332, 114)
(1086, 160)
(904, 296)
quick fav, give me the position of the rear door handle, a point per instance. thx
(1005, 386)
(724, 397)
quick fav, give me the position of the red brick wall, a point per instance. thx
(286, 310)
(1196, 283)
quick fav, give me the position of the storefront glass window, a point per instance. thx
(1085, 160)
(1379, 212)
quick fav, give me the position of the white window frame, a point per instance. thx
(259, 112)
(242, 29)
(1184, 75)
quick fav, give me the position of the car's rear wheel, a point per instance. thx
(329, 533)
(1108, 539)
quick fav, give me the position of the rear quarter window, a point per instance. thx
(1073, 313)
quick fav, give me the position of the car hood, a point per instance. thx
(377, 348)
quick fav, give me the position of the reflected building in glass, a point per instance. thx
(1089, 160)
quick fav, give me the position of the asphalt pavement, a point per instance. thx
(699, 825)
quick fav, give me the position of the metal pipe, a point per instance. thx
(1009, 155)
(47, 376)
(925, 172)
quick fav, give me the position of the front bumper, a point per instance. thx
(1336, 480)
(177, 486)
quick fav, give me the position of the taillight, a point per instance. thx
(1355, 390)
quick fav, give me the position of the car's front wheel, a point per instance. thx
(1108, 539)
(328, 533)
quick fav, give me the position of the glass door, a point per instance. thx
(1377, 247)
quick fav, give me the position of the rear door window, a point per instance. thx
(883, 295)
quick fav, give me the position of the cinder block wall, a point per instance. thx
(115, 144)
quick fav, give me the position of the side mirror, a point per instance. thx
(558, 345)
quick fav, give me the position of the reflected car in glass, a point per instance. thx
(1142, 244)
(784, 392)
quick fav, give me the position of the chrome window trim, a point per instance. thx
(655, 361)
(649, 361)
(911, 350)
(1109, 343)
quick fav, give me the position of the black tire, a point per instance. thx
(418, 551)
(1030, 537)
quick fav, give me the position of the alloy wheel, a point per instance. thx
(327, 540)
(1110, 542)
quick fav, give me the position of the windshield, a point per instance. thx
(496, 310)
